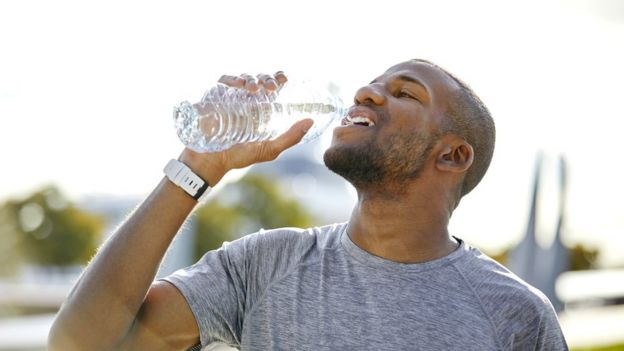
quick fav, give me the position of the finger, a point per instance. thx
(271, 149)
(280, 77)
(251, 83)
(262, 78)
(267, 81)
(233, 81)
(245, 154)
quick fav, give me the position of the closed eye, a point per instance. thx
(407, 94)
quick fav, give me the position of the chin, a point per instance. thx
(338, 152)
(328, 155)
(358, 164)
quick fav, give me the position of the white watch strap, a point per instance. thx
(182, 176)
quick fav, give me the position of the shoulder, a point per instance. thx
(501, 286)
(294, 241)
(514, 307)
(271, 255)
(272, 252)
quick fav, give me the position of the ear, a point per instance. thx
(455, 154)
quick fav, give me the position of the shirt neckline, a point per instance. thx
(371, 260)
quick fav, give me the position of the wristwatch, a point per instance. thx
(182, 176)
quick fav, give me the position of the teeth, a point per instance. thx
(358, 119)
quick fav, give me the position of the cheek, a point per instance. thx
(410, 119)
(413, 116)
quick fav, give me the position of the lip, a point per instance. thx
(360, 111)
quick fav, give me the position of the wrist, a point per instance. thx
(182, 176)
(208, 166)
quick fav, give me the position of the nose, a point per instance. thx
(369, 94)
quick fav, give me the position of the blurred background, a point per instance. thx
(86, 97)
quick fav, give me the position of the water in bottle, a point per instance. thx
(226, 116)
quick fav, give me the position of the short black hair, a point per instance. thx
(470, 119)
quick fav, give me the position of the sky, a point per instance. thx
(87, 89)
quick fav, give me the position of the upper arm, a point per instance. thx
(164, 322)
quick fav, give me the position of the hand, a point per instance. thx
(267, 82)
(213, 166)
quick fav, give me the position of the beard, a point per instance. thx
(396, 160)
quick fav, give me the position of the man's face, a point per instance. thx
(392, 127)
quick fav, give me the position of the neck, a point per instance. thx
(409, 226)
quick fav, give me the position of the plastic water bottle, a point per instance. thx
(226, 116)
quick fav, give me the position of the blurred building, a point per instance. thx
(541, 265)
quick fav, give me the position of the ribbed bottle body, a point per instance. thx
(226, 116)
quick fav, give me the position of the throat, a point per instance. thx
(398, 232)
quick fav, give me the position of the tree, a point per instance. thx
(252, 203)
(581, 257)
(49, 230)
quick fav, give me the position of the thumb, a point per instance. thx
(293, 135)
(245, 154)
(271, 149)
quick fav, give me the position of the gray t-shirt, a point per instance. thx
(314, 289)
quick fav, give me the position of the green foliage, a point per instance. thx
(46, 229)
(619, 347)
(9, 244)
(501, 257)
(580, 256)
(252, 203)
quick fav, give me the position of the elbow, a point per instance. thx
(69, 334)
(61, 336)
(56, 337)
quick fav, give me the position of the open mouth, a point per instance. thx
(358, 121)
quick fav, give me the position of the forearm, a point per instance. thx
(101, 309)
(103, 305)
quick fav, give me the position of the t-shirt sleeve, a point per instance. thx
(215, 289)
(225, 284)
(544, 334)
(522, 316)
(549, 334)
(530, 322)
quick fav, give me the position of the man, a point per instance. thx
(391, 278)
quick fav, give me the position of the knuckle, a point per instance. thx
(280, 76)
(267, 151)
